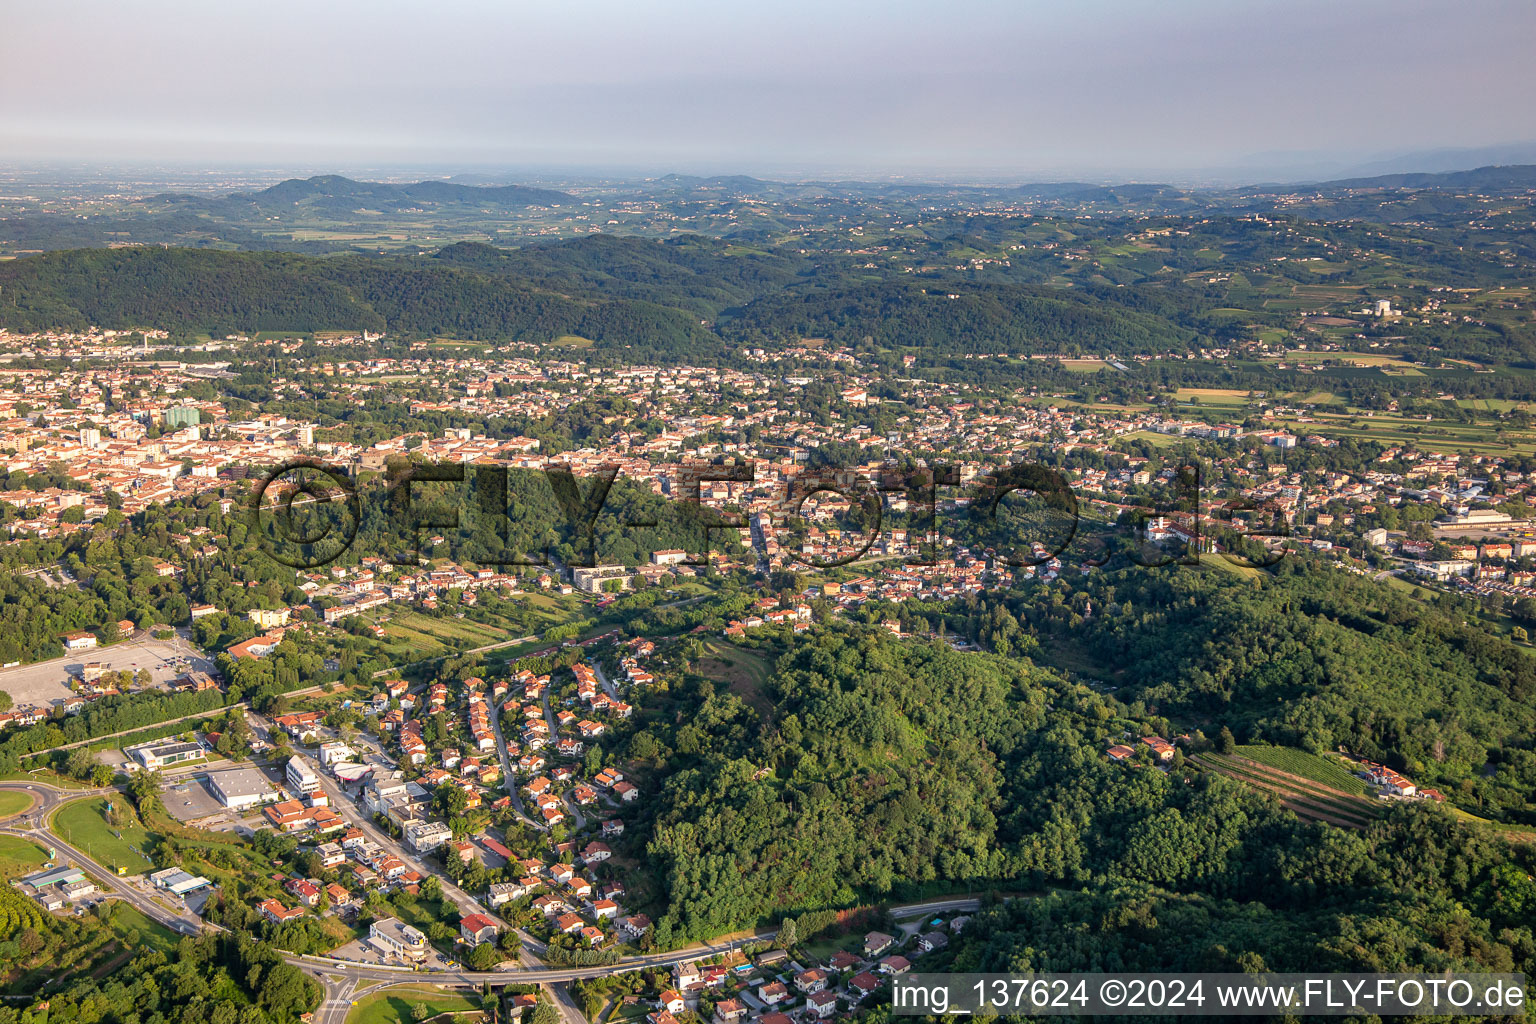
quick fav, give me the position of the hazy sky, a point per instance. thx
(1013, 88)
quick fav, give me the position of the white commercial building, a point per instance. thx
(393, 937)
(301, 776)
(426, 836)
(162, 753)
(335, 753)
(178, 882)
(241, 788)
(591, 580)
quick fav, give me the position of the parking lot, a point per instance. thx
(45, 682)
(359, 951)
(190, 799)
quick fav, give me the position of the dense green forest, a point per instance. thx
(942, 284)
(691, 272)
(901, 768)
(219, 293)
(947, 315)
(633, 295)
(1303, 655)
(884, 769)
(1320, 659)
(217, 978)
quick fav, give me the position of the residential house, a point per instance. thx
(477, 928)
(863, 984)
(928, 942)
(730, 1011)
(813, 980)
(274, 911)
(876, 943)
(823, 1003)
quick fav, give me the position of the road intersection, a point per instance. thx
(342, 979)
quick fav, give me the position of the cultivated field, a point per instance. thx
(412, 635)
(1326, 770)
(744, 672)
(1306, 797)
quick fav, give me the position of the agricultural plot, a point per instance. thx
(1313, 397)
(1513, 833)
(1157, 440)
(744, 672)
(1304, 797)
(414, 635)
(1326, 770)
(1213, 396)
(18, 913)
(1433, 434)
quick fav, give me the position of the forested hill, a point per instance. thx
(643, 297)
(224, 292)
(900, 769)
(954, 316)
(1513, 176)
(337, 195)
(705, 275)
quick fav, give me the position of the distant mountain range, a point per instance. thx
(333, 193)
(1517, 177)
(268, 219)
(1513, 176)
(339, 196)
(1427, 161)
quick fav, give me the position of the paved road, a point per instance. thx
(522, 975)
(508, 775)
(339, 996)
(51, 798)
(561, 996)
(341, 979)
(935, 907)
(578, 820)
(185, 923)
(602, 678)
(46, 798)
(466, 903)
